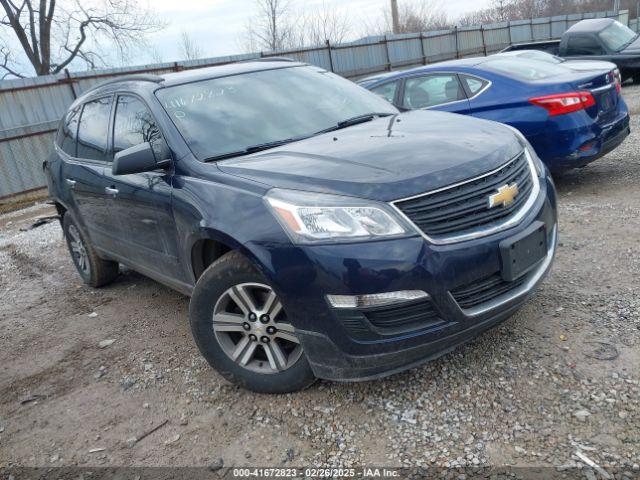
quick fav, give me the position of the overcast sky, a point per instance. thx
(218, 25)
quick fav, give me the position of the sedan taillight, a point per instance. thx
(561, 103)
(617, 78)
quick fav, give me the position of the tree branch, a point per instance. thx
(4, 64)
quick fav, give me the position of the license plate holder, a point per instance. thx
(523, 251)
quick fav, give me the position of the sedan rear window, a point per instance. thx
(221, 116)
(524, 69)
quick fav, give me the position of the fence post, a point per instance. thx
(455, 32)
(330, 56)
(70, 81)
(531, 28)
(424, 54)
(386, 49)
(509, 30)
(484, 42)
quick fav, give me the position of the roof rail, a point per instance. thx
(140, 77)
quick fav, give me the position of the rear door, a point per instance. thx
(142, 201)
(84, 143)
(434, 90)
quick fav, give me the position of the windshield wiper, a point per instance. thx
(253, 149)
(265, 146)
(349, 122)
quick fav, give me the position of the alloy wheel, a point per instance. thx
(253, 330)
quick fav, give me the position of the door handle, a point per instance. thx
(111, 190)
(71, 182)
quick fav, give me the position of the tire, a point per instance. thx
(256, 351)
(94, 271)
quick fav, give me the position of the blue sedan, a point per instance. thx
(570, 117)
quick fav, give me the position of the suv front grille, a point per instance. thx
(484, 290)
(461, 208)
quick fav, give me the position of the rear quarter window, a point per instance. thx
(524, 69)
(67, 135)
(387, 91)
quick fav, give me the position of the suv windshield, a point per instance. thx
(617, 36)
(233, 115)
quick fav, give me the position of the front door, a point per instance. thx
(142, 201)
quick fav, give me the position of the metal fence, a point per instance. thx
(30, 108)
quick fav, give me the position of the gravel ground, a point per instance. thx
(558, 380)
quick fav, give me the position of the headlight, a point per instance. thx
(314, 217)
(532, 153)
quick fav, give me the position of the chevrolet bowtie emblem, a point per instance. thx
(505, 195)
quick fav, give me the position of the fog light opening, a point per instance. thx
(375, 299)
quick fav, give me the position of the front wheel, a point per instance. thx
(243, 331)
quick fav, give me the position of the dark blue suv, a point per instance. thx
(320, 232)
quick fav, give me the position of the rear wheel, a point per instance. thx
(242, 329)
(94, 270)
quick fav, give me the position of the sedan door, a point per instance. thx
(142, 201)
(437, 91)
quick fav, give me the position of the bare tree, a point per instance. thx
(52, 33)
(155, 55)
(189, 48)
(316, 26)
(503, 10)
(270, 29)
(416, 16)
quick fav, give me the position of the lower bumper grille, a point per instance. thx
(389, 320)
(484, 290)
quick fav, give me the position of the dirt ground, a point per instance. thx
(558, 380)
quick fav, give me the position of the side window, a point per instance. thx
(93, 130)
(134, 125)
(583, 45)
(387, 91)
(67, 135)
(474, 84)
(432, 90)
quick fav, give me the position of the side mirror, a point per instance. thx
(137, 159)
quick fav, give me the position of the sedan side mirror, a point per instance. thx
(137, 159)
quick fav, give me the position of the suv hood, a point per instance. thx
(385, 159)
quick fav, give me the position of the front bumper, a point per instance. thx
(346, 347)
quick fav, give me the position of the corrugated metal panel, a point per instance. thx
(497, 36)
(31, 107)
(440, 45)
(541, 29)
(21, 163)
(521, 31)
(470, 41)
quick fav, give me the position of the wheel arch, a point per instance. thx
(210, 245)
